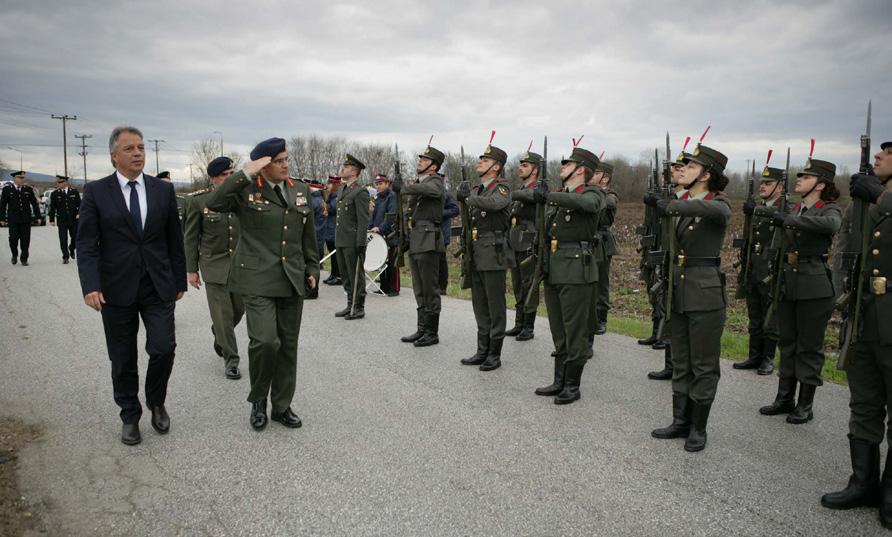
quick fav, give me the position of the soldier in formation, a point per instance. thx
(350, 236)
(606, 246)
(210, 241)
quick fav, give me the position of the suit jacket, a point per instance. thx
(210, 239)
(64, 208)
(19, 206)
(277, 248)
(112, 255)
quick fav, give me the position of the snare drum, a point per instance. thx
(375, 252)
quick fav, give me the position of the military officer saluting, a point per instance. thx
(274, 263)
(350, 236)
(762, 339)
(606, 246)
(571, 272)
(489, 208)
(699, 221)
(65, 204)
(210, 242)
(424, 202)
(17, 201)
(522, 239)
(807, 294)
(870, 374)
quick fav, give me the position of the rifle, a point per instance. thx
(852, 324)
(540, 230)
(400, 214)
(649, 231)
(467, 242)
(666, 254)
(745, 258)
(776, 278)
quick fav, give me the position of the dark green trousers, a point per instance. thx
(425, 269)
(602, 300)
(801, 339)
(488, 300)
(569, 319)
(870, 386)
(226, 310)
(348, 261)
(758, 300)
(696, 347)
(521, 281)
(273, 330)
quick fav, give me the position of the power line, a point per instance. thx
(64, 119)
(27, 106)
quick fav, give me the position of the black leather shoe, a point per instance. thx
(233, 373)
(658, 345)
(601, 329)
(130, 434)
(784, 401)
(663, 374)
(681, 420)
(426, 340)
(329, 281)
(160, 419)
(473, 360)
(258, 415)
(343, 313)
(412, 338)
(64, 260)
(24, 262)
(491, 363)
(525, 335)
(358, 314)
(14, 260)
(766, 367)
(288, 419)
(749, 363)
(803, 411)
(337, 281)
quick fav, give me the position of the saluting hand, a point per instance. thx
(95, 300)
(255, 166)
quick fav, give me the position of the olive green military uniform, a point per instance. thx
(606, 247)
(210, 242)
(757, 291)
(276, 254)
(351, 229)
(523, 241)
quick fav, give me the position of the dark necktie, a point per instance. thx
(134, 206)
(280, 196)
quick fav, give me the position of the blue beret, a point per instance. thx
(218, 166)
(268, 148)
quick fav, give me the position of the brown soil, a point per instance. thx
(16, 516)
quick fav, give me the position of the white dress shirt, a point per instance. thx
(140, 192)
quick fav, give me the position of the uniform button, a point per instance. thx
(230, 251)
(795, 270)
(875, 252)
(876, 234)
(876, 272)
(230, 228)
(283, 258)
(285, 227)
(283, 243)
(682, 276)
(286, 211)
(243, 265)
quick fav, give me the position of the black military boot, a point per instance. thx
(572, 379)
(482, 351)
(768, 349)
(601, 327)
(863, 489)
(358, 311)
(803, 411)
(346, 311)
(666, 372)
(699, 417)
(431, 331)
(494, 356)
(529, 321)
(555, 387)
(518, 323)
(755, 355)
(886, 493)
(784, 401)
(653, 336)
(419, 330)
(681, 419)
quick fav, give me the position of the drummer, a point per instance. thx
(382, 222)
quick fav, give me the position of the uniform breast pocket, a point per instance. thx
(213, 218)
(247, 261)
(423, 238)
(258, 216)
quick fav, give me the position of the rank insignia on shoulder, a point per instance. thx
(503, 189)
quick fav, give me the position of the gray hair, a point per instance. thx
(118, 131)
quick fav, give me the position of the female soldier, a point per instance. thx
(700, 217)
(807, 296)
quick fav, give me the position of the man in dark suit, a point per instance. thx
(131, 265)
(65, 203)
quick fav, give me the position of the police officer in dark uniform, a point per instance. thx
(808, 297)
(490, 207)
(762, 339)
(606, 245)
(181, 200)
(699, 221)
(571, 272)
(522, 239)
(351, 238)
(17, 201)
(210, 241)
(65, 204)
(424, 202)
(870, 374)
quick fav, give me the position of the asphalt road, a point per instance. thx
(396, 440)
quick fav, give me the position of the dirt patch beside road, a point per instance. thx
(16, 516)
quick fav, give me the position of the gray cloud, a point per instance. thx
(763, 74)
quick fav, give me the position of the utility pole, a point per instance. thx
(83, 152)
(21, 158)
(156, 142)
(64, 118)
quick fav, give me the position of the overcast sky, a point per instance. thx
(763, 74)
